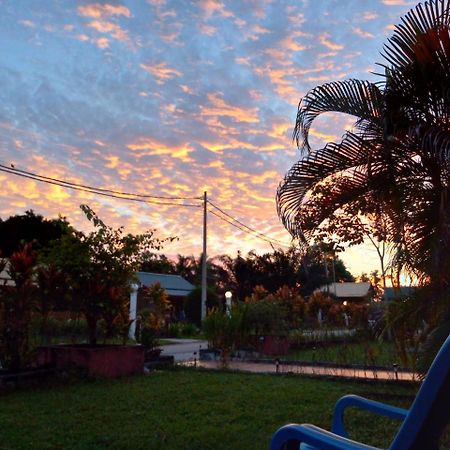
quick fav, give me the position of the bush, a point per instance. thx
(193, 302)
(227, 331)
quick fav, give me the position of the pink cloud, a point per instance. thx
(98, 10)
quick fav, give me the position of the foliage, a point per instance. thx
(293, 268)
(181, 329)
(17, 304)
(100, 267)
(228, 331)
(395, 162)
(368, 353)
(193, 302)
(157, 301)
(29, 228)
(152, 319)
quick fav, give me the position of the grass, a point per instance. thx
(367, 353)
(183, 409)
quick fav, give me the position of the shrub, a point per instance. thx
(193, 302)
(227, 331)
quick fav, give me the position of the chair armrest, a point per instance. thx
(370, 405)
(315, 437)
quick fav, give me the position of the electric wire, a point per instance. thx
(111, 191)
(247, 231)
(250, 229)
(93, 190)
(142, 198)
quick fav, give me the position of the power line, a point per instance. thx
(260, 235)
(248, 229)
(99, 191)
(142, 198)
(111, 191)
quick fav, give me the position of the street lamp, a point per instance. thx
(228, 296)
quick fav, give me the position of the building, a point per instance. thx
(351, 292)
(176, 286)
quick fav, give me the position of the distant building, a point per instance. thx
(176, 286)
(351, 292)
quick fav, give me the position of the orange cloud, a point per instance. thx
(291, 44)
(148, 146)
(325, 41)
(211, 7)
(222, 109)
(101, 43)
(98, 10)
(361, 33)
(161, 72)
(109, 28)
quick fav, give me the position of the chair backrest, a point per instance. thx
(430, 411)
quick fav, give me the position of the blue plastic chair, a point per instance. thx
(422, 424)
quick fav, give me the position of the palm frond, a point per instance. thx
(353, 154)
(355, 97)
(407, 45)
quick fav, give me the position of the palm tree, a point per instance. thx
(396, 159)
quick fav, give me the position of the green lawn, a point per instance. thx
(182, 409)
(368, 353)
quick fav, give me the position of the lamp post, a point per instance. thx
(228, 296)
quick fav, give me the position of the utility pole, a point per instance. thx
(204, 283)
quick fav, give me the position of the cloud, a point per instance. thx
(207, 29)
(369, 15)
(145, 146)
(212, 7)
(324, 39)
(98, 10)
(109, 28)
(161, 71)
(27, 23)
(218, 107)
(361, 33)
(394, 2)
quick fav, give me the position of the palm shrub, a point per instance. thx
(394, 165)
(395, 162)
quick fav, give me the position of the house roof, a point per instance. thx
(173, 284)
(347, 290)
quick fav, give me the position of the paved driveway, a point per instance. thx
(184, 349)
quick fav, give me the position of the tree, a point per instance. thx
(29, 228)
(396, 160)
(292, 268)
(100, 267)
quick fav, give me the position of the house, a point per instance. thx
(177, 288)
(351, 292)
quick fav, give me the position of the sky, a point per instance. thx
(174, 98)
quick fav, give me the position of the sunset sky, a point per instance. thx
(173, 98)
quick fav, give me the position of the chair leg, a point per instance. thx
(292, 444)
